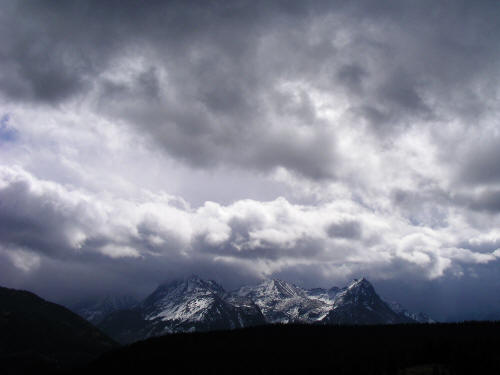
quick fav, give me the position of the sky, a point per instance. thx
(311, 141)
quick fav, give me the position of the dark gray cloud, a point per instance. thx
(488, 201)
(345, 229)
(480, 164)
(28, 220)
(209, 76)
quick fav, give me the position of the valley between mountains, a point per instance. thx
(195, 304)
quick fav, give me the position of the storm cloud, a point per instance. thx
(315, 141)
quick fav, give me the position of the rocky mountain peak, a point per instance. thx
(270, 289)
(191, 284)
(359, 290)
(283, 288)
(360, 284)
(193, 303)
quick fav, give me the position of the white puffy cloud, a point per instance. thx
(51, 220)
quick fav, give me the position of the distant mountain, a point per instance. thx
(36, 335)
(419, 317)
(95, 311)
(194, 304)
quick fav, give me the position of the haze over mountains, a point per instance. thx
(95, 311)
(194, 304)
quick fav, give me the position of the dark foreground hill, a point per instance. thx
(467, 348)
(37, 336)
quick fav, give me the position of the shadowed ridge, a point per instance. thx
(358, 303)
(41, 333)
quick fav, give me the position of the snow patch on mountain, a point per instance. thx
(282, 302)
(187, 300)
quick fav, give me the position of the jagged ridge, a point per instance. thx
(194, 304)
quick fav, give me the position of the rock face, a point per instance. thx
(358, 303)
(37, 335)
(197, 305)
(281, 302)
(186, 305)
(194, 304)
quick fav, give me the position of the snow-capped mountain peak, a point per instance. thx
(359, 291)
(186, 299)
(193, 282)
(197, 304)
(360, 287)
(358, 303)
(271, 288)
(361, 284)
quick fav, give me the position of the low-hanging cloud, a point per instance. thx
(43, 223)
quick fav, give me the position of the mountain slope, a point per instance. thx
(189, 305)
(358, 303)
(325, 295)
(186, 305)
(282, 302)
(40, 333)
(420, 317)
(95, 311)
(194, 304)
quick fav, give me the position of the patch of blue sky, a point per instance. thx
(7, 132)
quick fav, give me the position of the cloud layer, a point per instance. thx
(311, 141)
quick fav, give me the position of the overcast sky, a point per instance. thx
(306, 140)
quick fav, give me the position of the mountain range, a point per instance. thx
(40, 337)
(195, 304)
